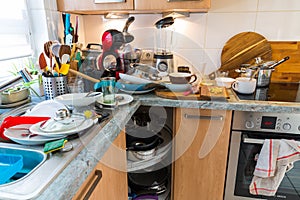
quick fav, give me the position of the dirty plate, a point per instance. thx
(85, 125)
(15, 134)
(123, 100)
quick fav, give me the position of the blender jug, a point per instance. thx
(163, 57)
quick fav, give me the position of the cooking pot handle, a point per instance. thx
(88, 46)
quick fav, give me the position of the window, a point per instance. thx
(15, 45)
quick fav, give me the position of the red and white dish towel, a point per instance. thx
(276, 157)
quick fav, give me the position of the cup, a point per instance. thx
(244, 85)
(182, 78)
(108, 89)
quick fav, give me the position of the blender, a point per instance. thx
(163, 57)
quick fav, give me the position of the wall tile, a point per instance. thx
(279, 26)
(279, 5)
(222, 26)
(233, 5)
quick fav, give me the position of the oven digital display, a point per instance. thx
(268, 122)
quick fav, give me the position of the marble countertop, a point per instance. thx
(69, 180)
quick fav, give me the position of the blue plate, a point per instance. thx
(131, 86)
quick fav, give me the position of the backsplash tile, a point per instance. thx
(279, 5)
(233, 6)
(222, 26)
(279, 26)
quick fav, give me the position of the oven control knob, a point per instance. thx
(286, 126)
(249, 124)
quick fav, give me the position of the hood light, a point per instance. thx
(176, 14)
(116, 15)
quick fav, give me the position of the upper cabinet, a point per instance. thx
(132, 6)
(90, 7)
(171, 5)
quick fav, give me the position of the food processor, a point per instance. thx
(163, 57)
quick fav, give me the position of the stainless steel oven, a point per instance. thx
(249, 129)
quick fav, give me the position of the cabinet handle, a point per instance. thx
(207, 117)
(98, 173)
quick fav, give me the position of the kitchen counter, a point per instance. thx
(93, 145)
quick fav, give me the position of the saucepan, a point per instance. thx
(262, 72)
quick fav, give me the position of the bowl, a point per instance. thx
(13, 95)
(78, 99)
(224, 81)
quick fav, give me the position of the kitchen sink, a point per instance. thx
(32, 159)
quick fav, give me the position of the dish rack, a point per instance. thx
(10, 164)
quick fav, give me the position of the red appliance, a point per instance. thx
(109, 60)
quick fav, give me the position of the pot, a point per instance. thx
(14, 95)
(92, 51)
(154, 182)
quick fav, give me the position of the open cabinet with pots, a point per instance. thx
(149, 153)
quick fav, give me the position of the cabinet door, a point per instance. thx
(201, 147)
(165, 5)
(113, 183)
(89, 7)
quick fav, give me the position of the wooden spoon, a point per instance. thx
(64, 49)
(42, 61)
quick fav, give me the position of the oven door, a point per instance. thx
(244, 150)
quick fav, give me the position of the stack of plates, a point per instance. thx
(33, 134)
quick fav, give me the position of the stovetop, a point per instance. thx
(284, 92)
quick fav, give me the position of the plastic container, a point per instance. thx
(10, 164)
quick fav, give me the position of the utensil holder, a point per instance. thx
(54, 86)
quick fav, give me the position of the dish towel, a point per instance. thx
(276, 157)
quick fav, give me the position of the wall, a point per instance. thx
(200, 38)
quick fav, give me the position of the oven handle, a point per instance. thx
(253, 141)
(217, 117)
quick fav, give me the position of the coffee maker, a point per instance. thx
(163, 57)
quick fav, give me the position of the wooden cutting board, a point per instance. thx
(213, 93)
(167, 94)
(206, 93)
(243, 48)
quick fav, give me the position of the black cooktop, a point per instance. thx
(286, 92)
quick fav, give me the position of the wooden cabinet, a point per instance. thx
(165, 5)
(132, 6)
(200, 149)
(89, 7)
(113, 183)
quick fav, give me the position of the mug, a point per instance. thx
(182, 78)
(244, 85)
(108, 85)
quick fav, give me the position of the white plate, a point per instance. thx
(15, 104)
(178, 87)
(45, 108)
(35, 128)
(137, 91)
(78, 99)
(133, 79)
(16, 136)
(126, 100)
